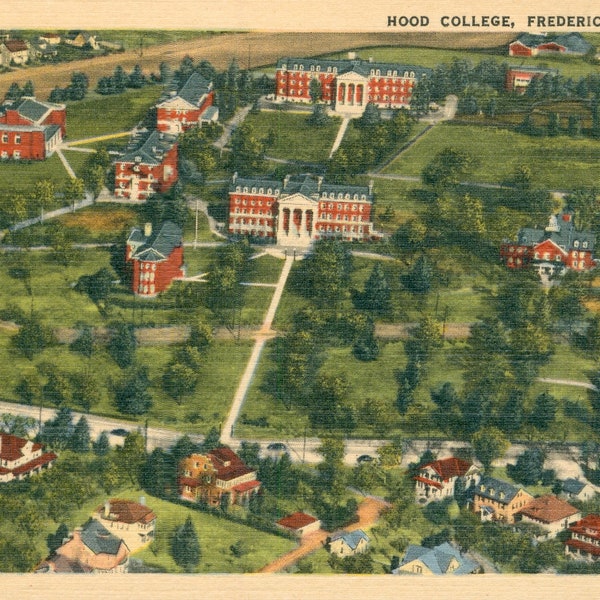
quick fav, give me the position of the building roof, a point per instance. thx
(561, 231)
(149, 147)
(496, 489)
(532, 69)
(306, 184)
(448, 468)
(194, 88)
(438, 559)
(549, 509)
(34, 110)
(127, 511)
(427, 481)
(360, 66)
(44, 459)
(51, 131)
(585, 546)
(16, 45)
(11, 446)
(589, 526)
(5, 127)
(228, 464)
(240, 488)
(351, 538)
(157, 246)
(98, 539)
(572, 42)
(297, 520)
(573, 486)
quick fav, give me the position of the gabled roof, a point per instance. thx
(589, 526)
(549, 509)
(34, 110)
(496, 489)
(159, 246)
(297, 520)
(448, 468)
(194, 88)
(16, 45)
(439, 559)
(127, 511)
(44, 459)
(351, 538)
(11, 446)
(98, 539)
(572, 42)
(573, 486)
(228, 464)
(149, 146)
(50, 131)
(561, 232)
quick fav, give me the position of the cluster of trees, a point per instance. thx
(76, 90)
(94, 172)
(376, 140)
(119, 81)
(16, 92)
(198, 157)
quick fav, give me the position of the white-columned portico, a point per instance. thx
(296, 220)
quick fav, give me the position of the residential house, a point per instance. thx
(550, 513)
(584, 542)
(347, 85)
(348, 543)
(13, 52)
(31, 129)
(575, 489)
(528, 44)
(133, 522)
(497, 500)
(444, 559)
(156, 259)
(90, 549)
(216, 477)
(20, 458)
(300, 209)
(147, 166)
(552, 250)
(53, 39)
(79, 39)
(191, 105)
(436, 480)
(518, 78)
(300, 524)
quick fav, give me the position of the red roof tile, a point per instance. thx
(44, 459)
(450, 467)
(228, 464)
(588, 526)
(188, 481)
(426, 481)
(585, 546)
(297, 520)
(15, 45)
(128, 511)
(248, 485)
(10, 446)
(549, 509)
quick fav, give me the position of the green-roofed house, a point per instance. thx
(156, 258)
(348, 85)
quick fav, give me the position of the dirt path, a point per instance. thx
(251, 49)
(368, 514)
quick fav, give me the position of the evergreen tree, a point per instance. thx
(376, 295)
(420, 278)
(212, 440)
(14, 92)
(122, 344)
(131, 394)
(55, 540)
(101, 445)
(28, 89)
(57, 432)
(84, 343)
(80, 439)
(185, 547)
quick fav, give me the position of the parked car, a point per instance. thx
(277, 447)
(120, 432)
(364, 458)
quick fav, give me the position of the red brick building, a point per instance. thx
(31, 129)
(156, 260)
(148, 166)
(191, 105)
(551, 250)
(518, 78)
(20, 458)
(209, 477)
(529, 44)
(584, 542)
(348, 85)
(300, 209)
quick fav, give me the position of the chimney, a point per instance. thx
(107, 509)
(371, 187)
(351, 55)
(319, 182)
(147, 229)
(286, 180)
(143, 500)
(370, 59)
(77, 533)
(234, 177)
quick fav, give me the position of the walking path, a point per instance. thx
(262, 336)
(340, 135)
(231, 126)
(65, 163)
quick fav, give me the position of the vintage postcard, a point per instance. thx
(300, 291)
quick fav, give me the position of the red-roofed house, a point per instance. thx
(436, 480)
(551, 514)
(210, 477)
(584, 542)
(13, 52)
(20, 458)
(300, 523)
(133, 522)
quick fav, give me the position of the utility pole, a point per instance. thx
(196, 229)
(304, 447)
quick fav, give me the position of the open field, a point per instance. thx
(20, 177)
(556, 163)
(265, 49)
(294, 138)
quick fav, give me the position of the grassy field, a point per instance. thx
(294, 139)
(556, 163)
(215, 536)
(574, 67)
(20, 177)
(134, 39)
(100, 115)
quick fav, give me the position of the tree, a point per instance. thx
(544, 411)
(43, 194)
(80, 439)
(529, 468)
(84, 343)
(179, 380)
(136, 78)
(331, 468)
(196, 146)
(131, 394)
(55, 540)
(131, 457)
(122, 344)
(16, 424)
(57, 432)
(319, 116)
(14, 92)
(315, 89)
(489, 444)
(201, 336)
(159, 474)
(376, 295)
(28, 89)
(74, 190)
(85, 389)
(28, 389)
(57, 389)
(247, 151)
(101, 446)
(212, 440)
(185, 547)
(370, 118)
(419, 279)
(447, 168)
(78, 87)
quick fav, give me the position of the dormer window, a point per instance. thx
(576, 244)
(585, 244)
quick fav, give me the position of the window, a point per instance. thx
(576, 244)
(585, 244)
(574, 264)
(16, 155)
(5, 138)
(17, 139)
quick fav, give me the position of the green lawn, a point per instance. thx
(294, 139)
(215, 535)
(574, 67)
(133, 39)
(20, 177)
(556, 163)
(119, 113)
